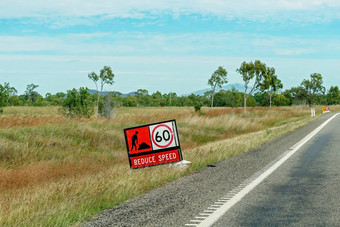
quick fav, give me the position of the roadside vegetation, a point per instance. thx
(262, 87)
(56, 170)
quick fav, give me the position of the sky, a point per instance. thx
(166, 46)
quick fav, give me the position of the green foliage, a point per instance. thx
(255, 72)
(280, 100)
(106, 106)
(312, 88)
(262, 98)
(105, 77)
(263, 80)
(31, 94)
(270, 83)
(55, 100)
(218, 78)
(231, 98)
(78, 103)
(14, 101)
(297, 95)
(6, 92)
(130, 101)
(251, 101)
(197, 106)
(333, 95)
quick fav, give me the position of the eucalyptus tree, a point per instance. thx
(313, 88)
(252, 72)
(271, 83)
(217, 79)
(30, 94)
(105, 77)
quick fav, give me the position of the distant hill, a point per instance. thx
(103, 93)
(239, 87)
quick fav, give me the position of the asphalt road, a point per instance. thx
(304, 191)
(301, 192)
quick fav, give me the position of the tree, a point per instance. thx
(296, 95)
(218, 78)
(105, 77)
(280, 100)
(115, 93)
(30, 94)
(78, 103)
(271, 83)
(169, 99)
(262, 98)
(251, 72)
(141, 92)
(5, 92)
(14, 101)
(313, 88)
(333, 95)
(130, 101)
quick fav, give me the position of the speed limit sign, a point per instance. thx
(153, 144)
(162, 136)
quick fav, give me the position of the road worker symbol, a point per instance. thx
(139, 140)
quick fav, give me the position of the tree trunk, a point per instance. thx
(212, 100)
(270, 98)
(97, 105)
(212, 96)
(245, 102)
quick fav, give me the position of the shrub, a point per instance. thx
(78, 103)
(197, 106)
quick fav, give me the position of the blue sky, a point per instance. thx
(170, 46)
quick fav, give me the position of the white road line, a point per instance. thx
(195, 220)
(197, 217)
(210, 220)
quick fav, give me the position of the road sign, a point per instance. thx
(325, 109)
(153, 144)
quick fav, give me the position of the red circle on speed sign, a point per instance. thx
(160, 138)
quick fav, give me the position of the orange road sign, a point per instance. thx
(153, 144)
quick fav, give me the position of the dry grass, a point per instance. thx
(56, 171)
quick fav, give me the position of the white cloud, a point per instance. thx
(158, 44)
(28, 43)
(294, 52)
(248, 9)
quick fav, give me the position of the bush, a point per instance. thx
(280, 100)
(78, 103)
(197, 106)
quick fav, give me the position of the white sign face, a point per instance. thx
(164, 135)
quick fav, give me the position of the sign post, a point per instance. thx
(312, 112)
(153, 144)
